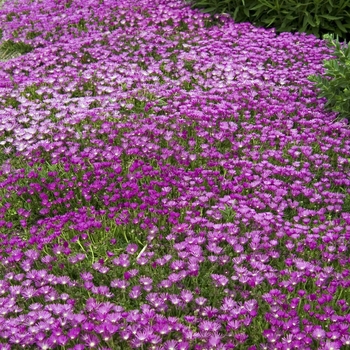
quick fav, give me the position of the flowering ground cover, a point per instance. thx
(168, 181)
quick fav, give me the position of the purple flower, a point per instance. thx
(64, 280)
(78, 347)
(142, 261)
(131, 273)
(86, 276)
(45, 344)
(190, 319)
(318, 333)
(122, 284)
(145, 281)
(209, 311)
(122, 260)
(170, 345)
(241, 337)
(345, 339)
(177, 265)
(73, 333)
(219, 280)
(143, 336)
(155, 339)
(200, 301)
(15, 290)
(214, 340)
(90, 340)
(329, 345)
(132, 248)
(209, 326)
(175, 300)
(183, 345)
(29, 292)
(186, 296)
(135, 292)
(165, 284)
(234, 324)
(32, 254)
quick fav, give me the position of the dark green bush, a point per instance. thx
(337, 89)
(316, 17)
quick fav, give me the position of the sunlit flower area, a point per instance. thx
(168, 181)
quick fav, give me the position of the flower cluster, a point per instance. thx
(168, 180)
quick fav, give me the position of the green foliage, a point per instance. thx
(95, 104)
(88, 58)
(30, 93)
(337, 89)
(81, 25)
(228, 214)
(10, 49)
(5, 55)
(10, 16)
(68, 4)
(316, 17)
(11, 102)
(32, 35)
(183, 27)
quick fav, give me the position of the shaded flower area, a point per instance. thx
(168, 180)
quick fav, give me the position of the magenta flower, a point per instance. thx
(87, 276)
(200, 301)
(90, 340)
(170, 345)
(186, 296)
(132, 248)
(122, 284)
(135, 292)
(130, 274)
(219, 154)
(145, 281)
(318, 333)
(209, 326)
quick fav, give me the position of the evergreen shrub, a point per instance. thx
(316, 17)
(335, 84)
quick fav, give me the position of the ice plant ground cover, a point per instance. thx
(168, 181)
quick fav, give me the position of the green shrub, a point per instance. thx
(337, 89)
(316, 17)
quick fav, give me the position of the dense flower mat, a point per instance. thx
(168, 181)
